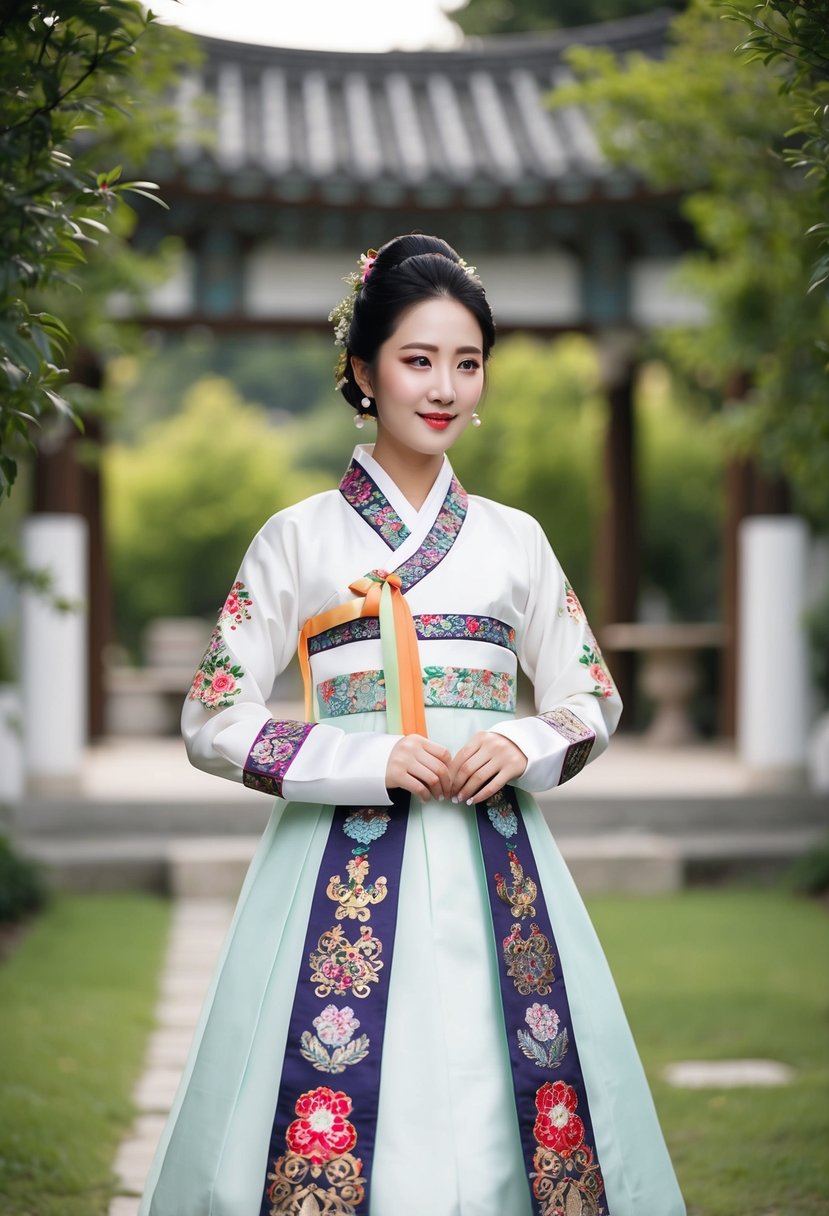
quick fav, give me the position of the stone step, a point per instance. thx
(661, 813)
(632, 860)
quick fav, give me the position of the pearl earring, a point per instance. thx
(359, 421)
(476, 419)
(366, 403)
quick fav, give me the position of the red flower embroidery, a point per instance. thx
(558, 1126)
(322, 1130)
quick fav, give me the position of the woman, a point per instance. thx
(412, 1013)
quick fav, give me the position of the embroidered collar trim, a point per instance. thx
(361, 492)
(442, 536)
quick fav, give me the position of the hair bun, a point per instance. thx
(400, 248)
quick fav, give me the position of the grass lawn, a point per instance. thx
(77, 999)
(732, 975)
(704, 975)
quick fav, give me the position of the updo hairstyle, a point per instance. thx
(406, 271)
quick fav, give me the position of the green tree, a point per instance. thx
(71, 77)
(518, 16)
(185, 501)
(793, 37)
(701, 122)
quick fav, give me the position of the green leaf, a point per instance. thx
(106, 180)
(153, 197)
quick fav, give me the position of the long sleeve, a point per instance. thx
(576, 701)
(227, 727)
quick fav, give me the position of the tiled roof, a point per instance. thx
(426, 126)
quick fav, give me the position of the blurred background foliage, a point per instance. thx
(184, 501)
(709, 123)
(188, 487)
(524, 16)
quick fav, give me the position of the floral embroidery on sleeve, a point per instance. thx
(591, 656)
(273, 751)
(235, 608)
(593, 659)
(216, 683)
(573, 604)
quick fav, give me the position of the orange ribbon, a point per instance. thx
(369, 591)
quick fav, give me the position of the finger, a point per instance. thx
(489, 790)
(478, 780)
(412, 785)
(467, 769)
(437, 750)
(463, 754)
(428, 778)
(441, 785)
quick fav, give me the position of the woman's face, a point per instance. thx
(427, 378)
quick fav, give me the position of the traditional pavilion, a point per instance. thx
(290, 162)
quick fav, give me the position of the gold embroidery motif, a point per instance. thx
(567, 1186)
(354, 896)
(529, 961)
(523, 891)
(342, 967)
(295, 1191)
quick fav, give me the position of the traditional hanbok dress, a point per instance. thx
(412, 1015)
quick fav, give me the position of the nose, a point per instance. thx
(442, 392)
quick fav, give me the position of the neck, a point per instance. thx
(414, 473)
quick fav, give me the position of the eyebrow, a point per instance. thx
(462, 350)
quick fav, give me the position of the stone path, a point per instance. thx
(198, 930)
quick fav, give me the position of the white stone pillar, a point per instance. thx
(773, 672)
(54, 653)
(11, 746)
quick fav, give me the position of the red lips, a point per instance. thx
(438, 422)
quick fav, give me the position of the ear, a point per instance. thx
(362, 374)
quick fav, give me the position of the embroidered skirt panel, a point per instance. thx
(447, 1137)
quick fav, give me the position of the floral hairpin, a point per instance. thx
(342, 315)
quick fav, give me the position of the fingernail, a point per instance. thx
(470, 801)
(455, 798)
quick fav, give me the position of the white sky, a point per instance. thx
(334, 25)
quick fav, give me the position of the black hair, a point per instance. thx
(408, 270)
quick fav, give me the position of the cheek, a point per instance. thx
(398, 384)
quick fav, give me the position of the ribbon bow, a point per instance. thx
(378, 594)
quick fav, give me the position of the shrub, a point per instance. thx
(22, 887)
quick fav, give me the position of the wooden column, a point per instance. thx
(67, 479)
(618, 552)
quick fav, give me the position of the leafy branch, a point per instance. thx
(67, 74)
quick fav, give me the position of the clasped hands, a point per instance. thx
(483, 766)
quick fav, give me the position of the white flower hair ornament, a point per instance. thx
(341, 316)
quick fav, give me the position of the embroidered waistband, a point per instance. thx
(432, 627)
(443, 687)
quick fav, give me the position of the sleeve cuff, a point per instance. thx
(274, 750)
(557, 745)
(341, 769)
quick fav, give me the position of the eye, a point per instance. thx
(418, 361)
(469, 365)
